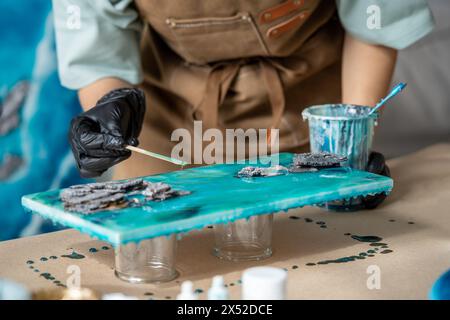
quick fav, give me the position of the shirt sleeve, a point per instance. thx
(392, 23)
(97, 39)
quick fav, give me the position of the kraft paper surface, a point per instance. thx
(316, 247)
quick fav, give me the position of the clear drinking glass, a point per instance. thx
(151, 260)
(346, 130)
(245, 239)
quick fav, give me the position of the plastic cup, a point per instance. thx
(345, 130)
(245, 239)
(148, 261)
(264, 283)
(10, 290)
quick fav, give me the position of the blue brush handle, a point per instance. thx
(397, 89)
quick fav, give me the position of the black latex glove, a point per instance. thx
(98, 137)
(376, 164)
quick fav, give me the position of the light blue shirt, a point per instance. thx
(98, 39)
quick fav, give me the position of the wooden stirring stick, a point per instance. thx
(157, 156)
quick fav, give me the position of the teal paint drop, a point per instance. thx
(53, 257)
(105, 248)
(341, 260)
(93, 250)
(386, 251)
(43, 259)
(377, 244)
(73, 255)
(30, 262)
(372, 239)
(47, 276)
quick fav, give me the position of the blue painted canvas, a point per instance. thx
(35, 113)
(441, 288)
(217, 196)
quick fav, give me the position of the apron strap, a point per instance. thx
(219, 81)
(275, 92)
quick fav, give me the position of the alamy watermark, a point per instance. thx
(74, 279)
(373, 21)
(73, 21)
(374, 280)
(234, 145)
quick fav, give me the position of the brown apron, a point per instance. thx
(234, 64)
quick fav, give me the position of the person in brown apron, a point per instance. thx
(230, 64)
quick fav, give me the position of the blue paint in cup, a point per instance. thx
(345, 130)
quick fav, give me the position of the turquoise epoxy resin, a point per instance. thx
(218, 196)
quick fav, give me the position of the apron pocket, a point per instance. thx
(206, 40)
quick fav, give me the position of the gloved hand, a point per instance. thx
(376, 164)
(98, 137)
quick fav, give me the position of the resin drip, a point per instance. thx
(367, 238)
(73, 255)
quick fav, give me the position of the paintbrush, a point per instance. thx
(157, 156)
(396, 90)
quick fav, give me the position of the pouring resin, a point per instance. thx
(345, 130)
